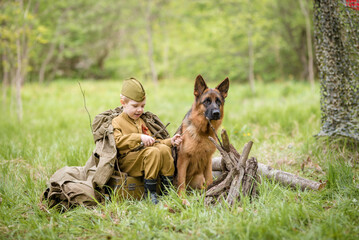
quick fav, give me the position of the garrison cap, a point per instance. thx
(133, 89)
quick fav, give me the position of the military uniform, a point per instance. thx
(151, 161)
(148, 161)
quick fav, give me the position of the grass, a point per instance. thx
(281, 119)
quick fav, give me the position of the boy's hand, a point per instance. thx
(176, 140)
(147, 140)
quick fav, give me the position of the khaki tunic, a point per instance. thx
(149, 161)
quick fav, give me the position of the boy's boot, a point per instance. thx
(150, 189)
(166, 183)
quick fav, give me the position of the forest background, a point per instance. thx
(160, 39)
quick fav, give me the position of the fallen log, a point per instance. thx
(285, 178)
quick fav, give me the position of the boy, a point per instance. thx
(130, 133)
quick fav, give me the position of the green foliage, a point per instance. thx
(109, 39)
(281, 119)
(20, 30)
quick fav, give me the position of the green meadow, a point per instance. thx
(281, 119)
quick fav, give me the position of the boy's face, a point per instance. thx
(133, 109)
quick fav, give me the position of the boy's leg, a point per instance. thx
(147, 161)
(151, 166)
(151, 162)
(167, 167)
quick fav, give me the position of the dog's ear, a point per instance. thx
(223, 87)
(200, 86)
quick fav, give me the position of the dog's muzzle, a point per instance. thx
(213, 114)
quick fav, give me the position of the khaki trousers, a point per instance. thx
(149, 162)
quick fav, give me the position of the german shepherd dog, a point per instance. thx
(194, 154)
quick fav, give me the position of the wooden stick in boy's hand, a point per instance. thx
(160, 131)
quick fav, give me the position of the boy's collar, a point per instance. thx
(129, 119)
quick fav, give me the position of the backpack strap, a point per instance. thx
(154, 124)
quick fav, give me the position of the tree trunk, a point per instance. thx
(5, 83)
(250, 58)
(18, 80)
(100, 62)
(309, 42)
(150, 43)
(291, 38)
(250, 47)
(50, 52)
(57, 62)
(44, 64)
(166, 48)
(278, 59)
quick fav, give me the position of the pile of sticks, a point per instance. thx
(239, 174)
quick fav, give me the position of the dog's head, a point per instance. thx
(211, 100)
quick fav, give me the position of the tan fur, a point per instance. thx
(194, 156)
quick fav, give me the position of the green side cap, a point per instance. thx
(133, 89)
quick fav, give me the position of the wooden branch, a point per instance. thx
(219, 179)
(289, 179)
(244, 156)
(225, 140)
(250, 178)
(226, 147)
(221, 186)
(225, 156)
(234, 151)
(235, 188)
